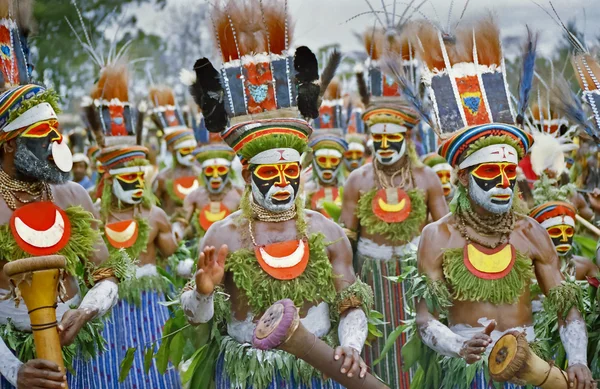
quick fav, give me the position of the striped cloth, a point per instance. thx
(389, 300)
(128, 326)
(479, 382)
(223, 381)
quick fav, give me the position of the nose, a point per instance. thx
(384, 142)
(140, 183)
(215, 174)
(57, 137)
(505, 183)
(328, 164)
(282, 181)
(564, 237)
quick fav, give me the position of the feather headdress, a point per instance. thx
(15, 25)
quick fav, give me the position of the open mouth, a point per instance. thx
(282, 196)
(353, 164)
(447, 190)
(563, 248)
(501, 197)
(327, 175)
(215, 184)
(137, 194)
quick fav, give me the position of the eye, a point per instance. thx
(322, 160)
(335, 161)
(209, 170)
(292, 170)
(554, 231)
(569, 231)
(377, 137)
(222, 169)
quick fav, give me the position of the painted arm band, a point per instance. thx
(353, 329)
(101, 298)
(435, 293)
(441, 339)
(9, 364)
(357, 295)
(198, 308)
(574, 338)
(563, 297)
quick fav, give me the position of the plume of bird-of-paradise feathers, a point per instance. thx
(527, 73)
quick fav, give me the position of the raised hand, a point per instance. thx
(211, 268)
(473, 348)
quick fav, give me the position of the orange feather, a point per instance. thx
(112, 83)
(161, 96)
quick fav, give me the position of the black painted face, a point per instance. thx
(33, 160)
(492, 184)
(562, 237)
(389, 148)
(275, 186)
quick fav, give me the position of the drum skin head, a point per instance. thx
(502, 354)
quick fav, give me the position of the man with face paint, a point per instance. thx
(356, 155)
(443, 171)
(216, 198)
(328, 148)
(174, 183)
(476, 263)
(272, 248)
(42, 213)
(386, 204)
(133, 227)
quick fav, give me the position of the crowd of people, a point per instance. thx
(422, 229)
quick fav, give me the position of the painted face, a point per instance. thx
(129, 186)
(444, 173)
(215, 177)
(389, 148)
(491, 185)
(355, 156)
(275, 186)
(327, 163)
(184, 156)
(562, 237)
(42, 153)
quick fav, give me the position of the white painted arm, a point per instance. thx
(353, 329)
(9, 364)
(441, 339)
(574, 338)
(198, 308)
(101, 298)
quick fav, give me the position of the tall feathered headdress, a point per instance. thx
(15, 25)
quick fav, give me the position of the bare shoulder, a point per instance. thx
(164, 174)
(438, 231)
(425, 174)
(360, 178)
(319, 223)
(71, 193)
(158, 214)
(530, 227)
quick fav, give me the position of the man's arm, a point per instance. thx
(165, 240)
(583, 209)
(432, 332)
(436, 202)
(572, 329)
(348, 218)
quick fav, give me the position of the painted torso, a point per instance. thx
(235, 235)
(147, 256)
(469, 312)
(177, 172)
(200, 198)
(64, 196)
(368, 181)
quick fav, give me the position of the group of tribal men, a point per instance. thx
(279, 184)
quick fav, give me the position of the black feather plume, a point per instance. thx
(307, 76)
(208, 93)
(329, 72)
(527, 73)
(365, 97)
(91, 113)
(568, 104)
(139, 125)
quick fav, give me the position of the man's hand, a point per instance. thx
(473, 348)
(352, 364)
(594, 199)
(40, 374)
(71, 323)
(211, 268)
(582, 376)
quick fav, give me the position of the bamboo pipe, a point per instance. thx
(39, 290)
(280, 328)
(588, 225)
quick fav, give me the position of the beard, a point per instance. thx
(484, 198)
(33, 168)
(268, 202)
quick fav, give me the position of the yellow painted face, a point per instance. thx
(562, 237)
(216, 170)
(129, 187)
(328, 161)
(215, 177)
(186, 150)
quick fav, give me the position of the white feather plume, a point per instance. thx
(187, 77)
(547, 153)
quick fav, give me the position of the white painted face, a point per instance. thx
(389, 143)
(327, 164)
(275, 186)
(184, 157)
(486, 199)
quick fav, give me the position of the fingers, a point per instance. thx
(478, 342)
(355, 368)
(201, 261)
(347, 364)
(363, 369)
(47, 384)
(223, 251)
(475, 351)
(44, 364)
(571, 375)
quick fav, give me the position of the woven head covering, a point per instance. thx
(553, 213)
(328, 139)
(180, 139)
(470, 96)
(93, 152)
(214, 154)
(261, 89)
(117, 157)
(23, 106)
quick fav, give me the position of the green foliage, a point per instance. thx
(359, 290)
(126, 364)
(545, 189)
(396, 232)
(62, 62)
(562, 298)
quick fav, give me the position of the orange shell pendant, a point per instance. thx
(122, 235)
(285, 260)
(391, 205)
(183, 186)
(40, 228)
(212, 213)
(324, 194)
